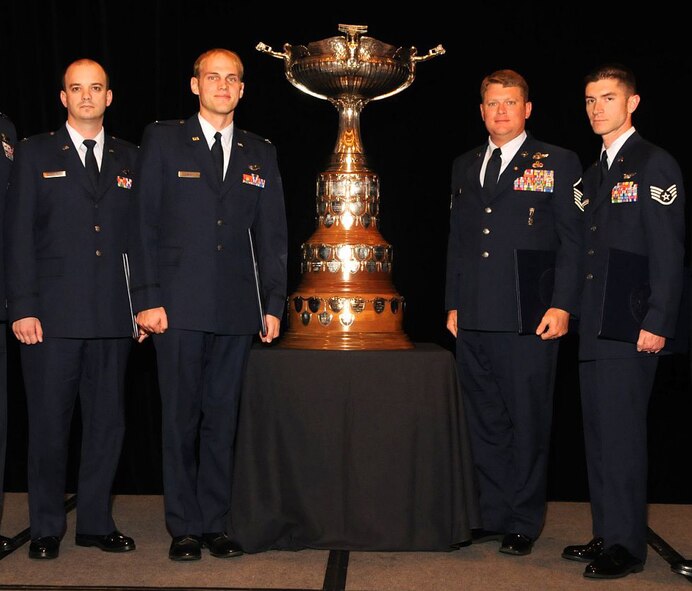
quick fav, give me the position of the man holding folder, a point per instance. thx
(511, 195)
(204, 183)
(634, 207)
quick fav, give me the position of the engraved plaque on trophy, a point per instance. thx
(346, 299)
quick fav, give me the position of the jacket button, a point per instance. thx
(486, 231)
(219, 222)
(98, 253)
(219, 247)
(589, 276)
(488, 210)
(485, 254)
(97, 228)
(590, 251)
(593, 228)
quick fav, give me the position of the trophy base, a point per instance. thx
(345, 321)
(346, 341)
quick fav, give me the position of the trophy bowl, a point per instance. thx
(328, 69)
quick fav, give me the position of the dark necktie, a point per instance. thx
(604, 166)
(217, 155)
(492, 172)
(90, 163)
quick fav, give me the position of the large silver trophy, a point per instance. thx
(346, 299)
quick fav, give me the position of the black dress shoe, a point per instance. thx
(185, 548)
(682, 567)
(220, 545)
(480, 536)
(613, 563)
(44, 548)
(112, 542)
(6, 545)
(584, 552)
(516, 544)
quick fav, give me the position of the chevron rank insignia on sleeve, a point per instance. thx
(664, 196)
(579, 200)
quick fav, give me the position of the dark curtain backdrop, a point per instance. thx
(410, 140)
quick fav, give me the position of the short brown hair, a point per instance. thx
(615, 71)
(508, 78)
(232, 54)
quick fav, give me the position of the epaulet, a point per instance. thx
(118, 140)
(254, 136)
(170, 122)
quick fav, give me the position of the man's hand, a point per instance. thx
(151, 321)
(554, 324)
(649, 342)
(28, 330)
(273, 327)
(452, 322)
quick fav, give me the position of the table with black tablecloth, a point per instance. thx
(352, 450)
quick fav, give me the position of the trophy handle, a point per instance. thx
(264, 48)
(434, 52)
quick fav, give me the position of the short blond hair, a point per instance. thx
(232, 54)
(508, 79)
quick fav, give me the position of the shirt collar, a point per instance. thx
(510, 149)
(208, 130)
(77, 138)
(616, 145)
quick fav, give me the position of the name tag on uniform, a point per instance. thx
(625, 192)
(536, 179)
(54, 174)
(189, 174)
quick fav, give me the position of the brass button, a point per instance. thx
(485, 254)
(98, 253)
(488, 210)
(97, 228)
(486, 231)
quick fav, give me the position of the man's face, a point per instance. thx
(219, 87)
(609, 107)
(504, 112)
(86, 95)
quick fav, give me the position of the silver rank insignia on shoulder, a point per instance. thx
(664, 196)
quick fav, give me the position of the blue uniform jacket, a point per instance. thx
(8, 138)
(189, 249)
(640, 208)
(533, 208)
(64, 238)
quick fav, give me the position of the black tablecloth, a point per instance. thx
(352, 450)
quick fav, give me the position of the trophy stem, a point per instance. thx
(348, 155)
